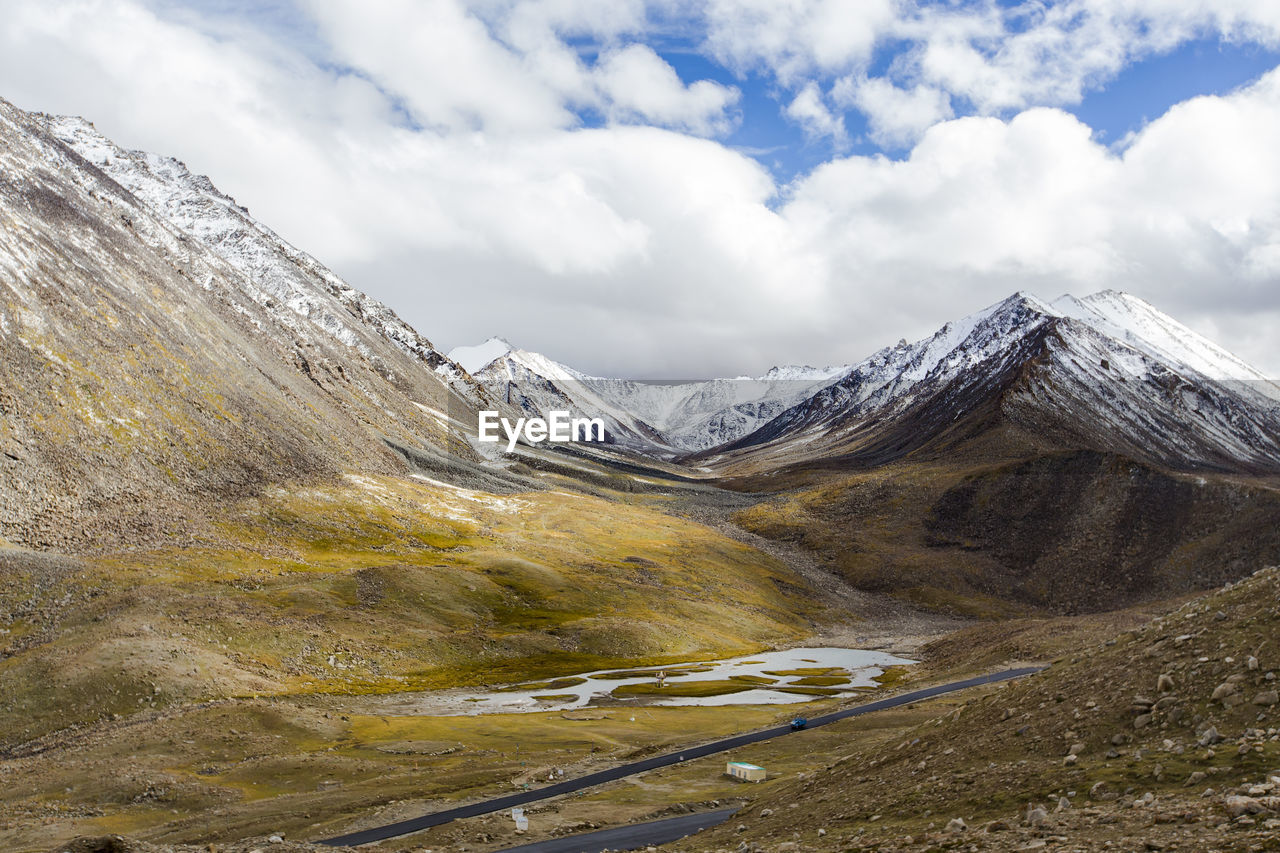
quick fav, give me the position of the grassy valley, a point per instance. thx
(379, 584)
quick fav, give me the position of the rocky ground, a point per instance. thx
(120, 844)
(1164, 738)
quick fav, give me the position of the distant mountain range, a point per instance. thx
(657, 418)
(1107, 371)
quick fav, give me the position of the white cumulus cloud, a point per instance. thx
(896, 117)
(433, 153)
(810, 111)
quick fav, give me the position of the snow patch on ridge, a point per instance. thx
(476, 358)
(301, 292)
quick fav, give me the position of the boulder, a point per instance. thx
(1210, 737)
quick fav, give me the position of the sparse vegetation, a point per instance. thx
(996, 538)
(1129, 733)
(713, 687)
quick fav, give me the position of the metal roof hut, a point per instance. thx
(744, 772)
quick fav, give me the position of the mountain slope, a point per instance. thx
(1161, 738)
(1024, 459)
(310, 298)
(1119, 377)
(145, 374)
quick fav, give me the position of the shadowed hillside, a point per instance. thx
(1068, 531)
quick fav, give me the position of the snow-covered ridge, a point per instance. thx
(1120, 356)
(662, 417)
(1139, 324)
(277, 273)
(476, 358)
(1112, 365)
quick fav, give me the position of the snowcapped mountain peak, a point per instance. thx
(1026, 299)
(473, 359)
(1109, 368)
(1142, 326)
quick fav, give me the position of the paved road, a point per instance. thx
(629, 837)
(417, 824)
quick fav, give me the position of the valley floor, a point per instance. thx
(229, 688)
(303, 767)
(234, 690)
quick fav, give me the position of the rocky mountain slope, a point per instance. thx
(1069, 531)
(160, 349)
(300, 292)
(1077, 456)
(1165, 737)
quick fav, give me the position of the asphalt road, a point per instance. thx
(417, 824)
(629, 837)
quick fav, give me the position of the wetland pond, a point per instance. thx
(766, 678)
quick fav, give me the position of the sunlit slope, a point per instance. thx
(377, 584)
(143, 377)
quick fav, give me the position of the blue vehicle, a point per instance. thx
(798, 723)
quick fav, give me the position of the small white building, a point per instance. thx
(745, 772)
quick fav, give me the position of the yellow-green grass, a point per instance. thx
(819, 681)
(753, 679)
(892, 676)
(713, 687)
(379, 584)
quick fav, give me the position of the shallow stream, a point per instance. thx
(766, 678)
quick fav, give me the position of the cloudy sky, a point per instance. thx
(668, 189)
